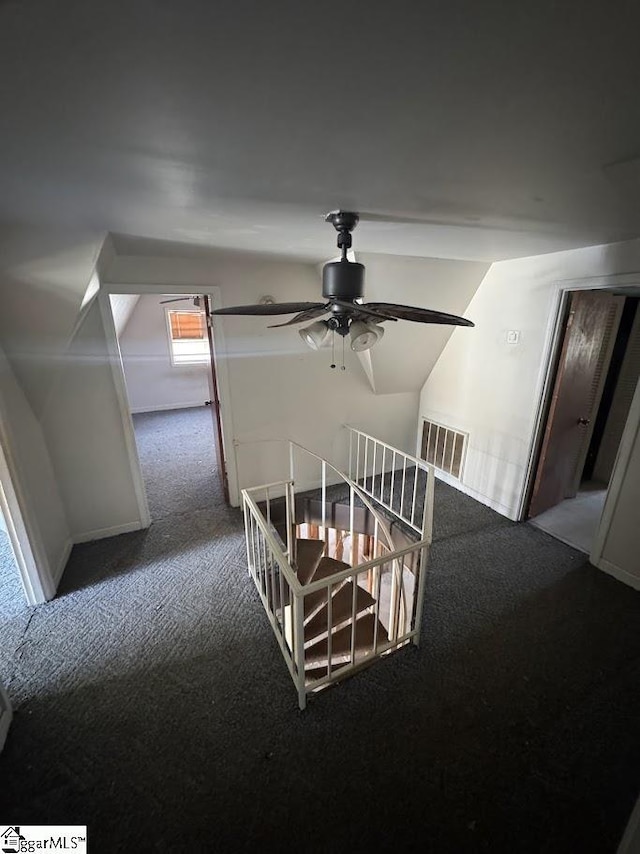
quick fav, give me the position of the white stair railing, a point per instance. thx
(349, 639)
(398, 481)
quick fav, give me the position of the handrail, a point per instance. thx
(267, 486)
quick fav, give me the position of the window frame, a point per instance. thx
(195, 362)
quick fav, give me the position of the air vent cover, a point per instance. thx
(443, 447)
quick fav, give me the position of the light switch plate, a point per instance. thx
(513, 336)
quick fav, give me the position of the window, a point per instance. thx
(188, 337)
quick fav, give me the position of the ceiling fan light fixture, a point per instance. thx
(314, 336)
(364, 335)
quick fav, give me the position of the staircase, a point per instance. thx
(341, 605)
(338, 592)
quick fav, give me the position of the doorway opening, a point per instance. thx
(12, 593)
(594, 378)
(167, 354)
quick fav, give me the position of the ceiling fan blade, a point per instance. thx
(309, 314)
(270, 308)
(176, 299)
(367, 310)
(419, 315)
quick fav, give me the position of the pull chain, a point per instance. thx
(333, 348)
(343, 367)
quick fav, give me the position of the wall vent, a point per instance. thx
(443, 447)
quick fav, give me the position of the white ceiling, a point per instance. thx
(237, 124)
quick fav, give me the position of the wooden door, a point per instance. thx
(589, 334)
(215, 401)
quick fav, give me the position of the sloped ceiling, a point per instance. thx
(44, 276)
(122, 306)
(403, 359)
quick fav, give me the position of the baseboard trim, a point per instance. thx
(103, 533)
(139, 410)
(502, 509)
(618, 574)
(64, 557)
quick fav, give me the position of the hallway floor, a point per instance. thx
(575, 521)
(152, 702)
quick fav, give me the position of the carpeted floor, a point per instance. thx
(153, 705)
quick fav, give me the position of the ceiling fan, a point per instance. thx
(343, 289)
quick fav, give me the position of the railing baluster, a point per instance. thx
(393, 479)
(268, 508)
(263, 566)
(415, 493)
(350, 469)
(253, 548)
(364, 473)
(384, 456)
(373, 470)
(274, 598)
(354, 600)
(282, 602)
(324, 506)
(329, 628)
(404, 478)
(357, 459)
(352, 511)
(297, 624)
(393, 629)
(377, 585)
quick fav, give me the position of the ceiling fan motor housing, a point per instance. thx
(343, 280)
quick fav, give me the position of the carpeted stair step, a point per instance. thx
(341, 610)
(308, 556)
(341, 642)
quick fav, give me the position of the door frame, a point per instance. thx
(551, 353)
(35, 575)
(214, 294)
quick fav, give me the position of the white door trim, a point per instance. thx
(213, 291)
(35, 573)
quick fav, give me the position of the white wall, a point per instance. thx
(491, 389)
(33, 479)
(152, 381)
(277, 387)
(86, 438)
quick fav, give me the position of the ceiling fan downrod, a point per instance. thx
(343, 279)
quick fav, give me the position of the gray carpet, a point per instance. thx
(152, 702)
